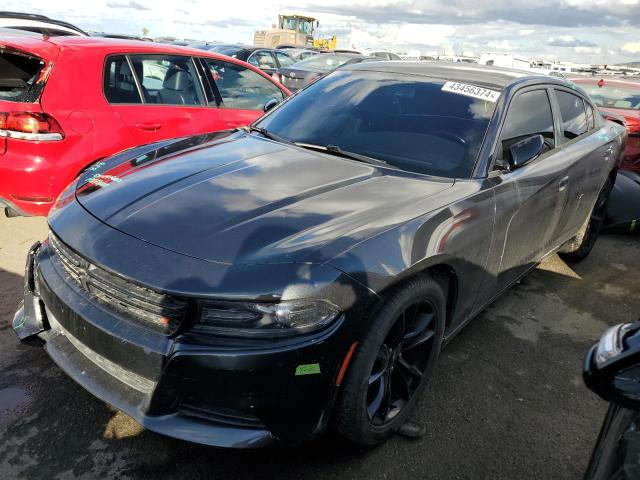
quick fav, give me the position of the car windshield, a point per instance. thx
(409, 122)
(614, 96)
(324, 62)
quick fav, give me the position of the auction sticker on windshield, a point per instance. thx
(471, 91)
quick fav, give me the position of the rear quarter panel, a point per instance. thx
(74, 96)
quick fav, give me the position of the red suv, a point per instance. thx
(67, 102)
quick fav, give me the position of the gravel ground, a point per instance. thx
(507, 400)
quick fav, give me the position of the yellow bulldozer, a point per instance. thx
(293, 30)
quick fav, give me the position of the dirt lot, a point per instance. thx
(507, 401)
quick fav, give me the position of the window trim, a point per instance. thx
(495, 152)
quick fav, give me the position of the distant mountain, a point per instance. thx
(629, 64)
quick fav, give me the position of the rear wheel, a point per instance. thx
(583, 243)
(393, 363)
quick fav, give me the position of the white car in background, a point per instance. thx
(31, 22)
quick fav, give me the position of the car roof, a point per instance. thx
(41, 45)
(37, 20)
(487, 76)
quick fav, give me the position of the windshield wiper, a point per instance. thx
(270, 135)
(336, 150)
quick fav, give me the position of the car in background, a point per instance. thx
(612, 370)
(54, 124)
(32, 22)
(618, 99)
(383, 55)
(240, 289)
(299, 54)
(266, 59)
(303, 73)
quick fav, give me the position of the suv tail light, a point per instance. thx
(30, 126)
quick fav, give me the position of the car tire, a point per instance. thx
(581, 245)
(411, 312)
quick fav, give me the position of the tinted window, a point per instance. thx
(240, 87)
(529, 114)
(574, 118)
(284, 59)
(409, 123)
(119, 83)
(168, 79)
(262, 59)
(226, 50)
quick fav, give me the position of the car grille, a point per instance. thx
(143, 305)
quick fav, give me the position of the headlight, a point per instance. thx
(265, 319)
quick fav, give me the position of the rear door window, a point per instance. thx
(240, 87)
(168, 79)
(529, 114)
(119, 83)
(574, 118)
(19, 75)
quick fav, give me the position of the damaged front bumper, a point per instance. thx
(241, 397)
(29, 319)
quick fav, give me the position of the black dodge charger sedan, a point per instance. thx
(260, 285)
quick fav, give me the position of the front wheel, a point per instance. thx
(580, 247)
(393, 363)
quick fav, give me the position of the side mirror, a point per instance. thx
(525, 151)
(270, 104)
(612, 366)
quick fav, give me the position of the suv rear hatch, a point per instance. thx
(25, 65)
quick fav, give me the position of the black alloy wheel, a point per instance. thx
(401, 362)
(393, 362)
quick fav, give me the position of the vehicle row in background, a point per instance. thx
(52, 126)
(307, 71)
(619, 101)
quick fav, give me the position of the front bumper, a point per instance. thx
(222, 395)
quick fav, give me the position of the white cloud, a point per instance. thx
(587, 49)
(632, 47)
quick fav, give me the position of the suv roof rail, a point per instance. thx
(42, 18)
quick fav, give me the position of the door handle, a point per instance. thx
(149, 126)
(562, 184)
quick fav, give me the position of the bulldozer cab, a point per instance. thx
(293, 30)
(297, 23)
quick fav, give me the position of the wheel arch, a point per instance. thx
(444, 274)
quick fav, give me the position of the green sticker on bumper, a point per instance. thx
(308, 369)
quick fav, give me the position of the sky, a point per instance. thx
(597, 31)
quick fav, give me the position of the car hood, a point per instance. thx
(242, 199)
